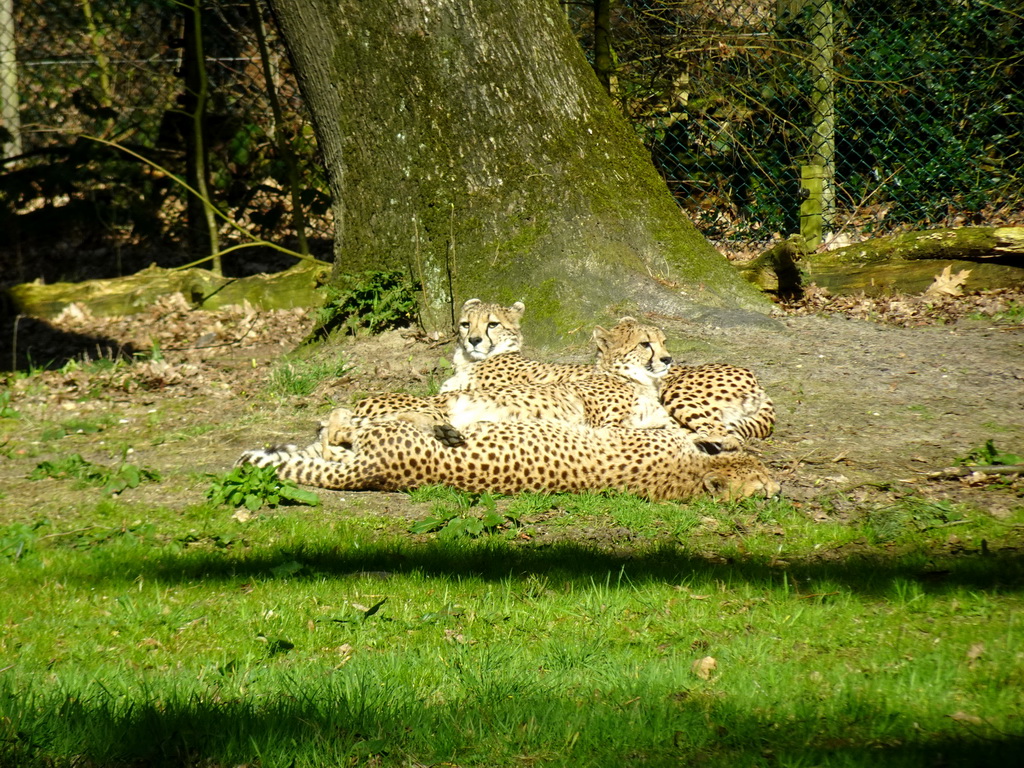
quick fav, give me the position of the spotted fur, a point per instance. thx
(720, 402)
(621, 390)
(511, 457)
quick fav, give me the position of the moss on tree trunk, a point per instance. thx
(471, 145)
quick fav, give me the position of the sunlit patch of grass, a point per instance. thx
(140, 635)
(77, 426)
(300, 377)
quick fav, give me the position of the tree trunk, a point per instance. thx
(202, 289)
(603, 43)
(471, 145)
(202, 223)
(822, 155)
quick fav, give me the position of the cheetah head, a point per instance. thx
(738, 477)
(488, 329)
(632, 350)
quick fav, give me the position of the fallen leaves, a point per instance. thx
(905, 310)
(963, 717)
(974, 653)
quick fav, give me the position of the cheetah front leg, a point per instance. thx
(339, 434)
(709, 429)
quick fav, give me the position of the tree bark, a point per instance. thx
(10, 117)
(603, 43)
(471, 145)
(202, 223)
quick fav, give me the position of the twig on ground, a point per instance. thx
(986, 469)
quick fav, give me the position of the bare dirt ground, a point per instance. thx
(871, 395)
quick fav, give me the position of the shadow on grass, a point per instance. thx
(864, 571)
(353, 720)
(27, 343)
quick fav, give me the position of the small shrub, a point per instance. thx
(989, 455)
(18, 540)
(301, 378)
(376, 301)
(6, 412)
(462, 520)
(255, 487)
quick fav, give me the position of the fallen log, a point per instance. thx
(294, 287)
(907, 263)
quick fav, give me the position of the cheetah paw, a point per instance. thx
(448, 435)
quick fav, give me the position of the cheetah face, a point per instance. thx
(746, 477)
(489, 329)
(633, 350)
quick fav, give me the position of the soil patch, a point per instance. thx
(866, 407)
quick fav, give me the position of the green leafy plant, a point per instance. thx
(113, 479)
(6, 411)
(75, 426)
(18, 539)
(989, 455)
(256, 487)
(375, 301)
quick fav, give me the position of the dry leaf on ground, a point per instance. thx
(948, 284)
(705, 668)
(962, 717)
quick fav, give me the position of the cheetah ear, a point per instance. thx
(716, 485)
(600, 337)
(517, 309)
(470, 303)
(626, 319)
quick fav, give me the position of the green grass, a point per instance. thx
(300, 377)
(1014, 313)
(135, 635)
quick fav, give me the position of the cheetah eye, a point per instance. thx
(493, 324)
(645, 344)
(464, 325)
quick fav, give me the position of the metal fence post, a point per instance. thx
(822, 153)
(812, 183)
(10, 117)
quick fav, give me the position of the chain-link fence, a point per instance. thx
(878, 113)
(762, 116)
(106, 95)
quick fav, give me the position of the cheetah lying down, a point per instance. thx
(512, 457)
(620, 391)
(715, 400)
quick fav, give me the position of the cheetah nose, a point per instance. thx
(667, 360)
(474, 340)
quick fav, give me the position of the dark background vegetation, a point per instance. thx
(928, 101)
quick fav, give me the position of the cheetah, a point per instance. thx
(718, 401)
(484, 330)
(510, 457)
(621, 390)
(487, 352)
